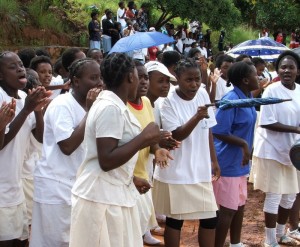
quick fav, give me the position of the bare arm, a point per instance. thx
(279, 127)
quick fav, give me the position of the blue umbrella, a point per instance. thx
(266, 48)
(225, 104)
(141, 40)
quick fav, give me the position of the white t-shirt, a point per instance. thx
(188, 41)
(203, 51)
(12, 156)
(179, 45)
(192, 162)
(275, 145)
(221, 88)
(120, 13)
(32, 156)
(108, 117)
(55, 82)
(55, 173)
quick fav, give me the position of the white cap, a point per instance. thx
(151, 29)
(157, 66)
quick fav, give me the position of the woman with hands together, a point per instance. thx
(16, 139)
(104, 193)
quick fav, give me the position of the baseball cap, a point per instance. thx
(157, 66)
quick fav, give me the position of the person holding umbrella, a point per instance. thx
(271, 165)
(233, 138)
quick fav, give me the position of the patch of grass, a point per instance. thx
(9, 7)
(241, 34)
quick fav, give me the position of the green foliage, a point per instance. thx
(241, 34)
(9, 7)
(278, 14)
(43, 18)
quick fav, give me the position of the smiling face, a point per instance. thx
(12, 72)
(288, 71)
(44, 71)
(189, 82)
(143, 81)
(159, 84)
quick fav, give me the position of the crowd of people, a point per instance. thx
(96, 148)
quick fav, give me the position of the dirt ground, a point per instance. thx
(253, 225)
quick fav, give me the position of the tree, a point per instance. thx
(216, 13)
(277, 14)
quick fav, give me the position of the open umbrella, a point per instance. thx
(266, 48)
(141, 40)
(227, 104)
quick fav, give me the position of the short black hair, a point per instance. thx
(223, 58)
(289, 54)
(238, 71)
(38, 60)
(94, 13)
(184, 64)
(170, 58)
(258, 60)
(242, 57)
(69, 56)
(42, 52)
(26, 55)
(192, 52)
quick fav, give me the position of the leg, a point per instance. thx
(225, 216)
(207, 232)
(172, 232)
(236, 226)
(294, 214)
(7, 243)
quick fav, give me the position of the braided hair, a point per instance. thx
(184, 64)
(114, 69)
(77, 67)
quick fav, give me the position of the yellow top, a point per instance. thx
(144, 115)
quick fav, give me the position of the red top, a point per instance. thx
(152, 53)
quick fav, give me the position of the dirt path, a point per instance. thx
(253, 225)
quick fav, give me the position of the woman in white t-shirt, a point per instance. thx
(183, 191)
(104, 209)
(272, 169)
(63, 152)
(15, 138)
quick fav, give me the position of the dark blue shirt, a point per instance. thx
(93, 34)
(238, 122)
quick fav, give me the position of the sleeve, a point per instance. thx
(268, 113)
(109, 122)
(225, 120)
(170, 121)
(61, 121)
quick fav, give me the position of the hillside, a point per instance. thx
(40, 23)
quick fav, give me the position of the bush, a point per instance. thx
(9, 7)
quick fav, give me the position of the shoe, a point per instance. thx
(161, 218)
(286, 240)
(150, 240)
(158, 231)
(293, 234)
(271, 245)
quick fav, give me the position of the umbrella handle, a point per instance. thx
(208, 105)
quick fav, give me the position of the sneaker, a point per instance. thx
(271, 245)
(293, 234)
(286, 240)
(150, 240)
(158, 231)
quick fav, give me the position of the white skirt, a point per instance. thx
(50, 225)
(184, 201)
(147, 212)
(271, 176)
(13, 222)
(102, 225)
(28, 192)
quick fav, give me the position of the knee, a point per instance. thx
(210, 223)
(174, 224)
(272, 203)
(287, 201)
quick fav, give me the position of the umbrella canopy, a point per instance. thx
(227, 104)
(266, 48)
(141, 40)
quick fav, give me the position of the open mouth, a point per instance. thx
(23, 79)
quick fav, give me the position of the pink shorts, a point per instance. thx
(231, 192)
